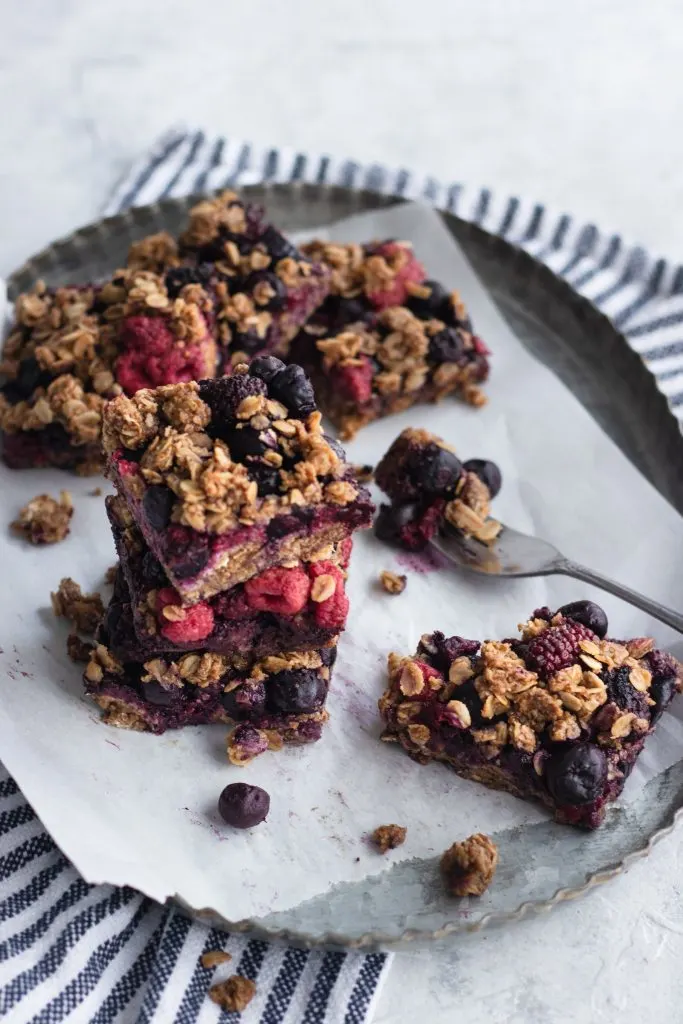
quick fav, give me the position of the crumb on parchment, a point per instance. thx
(77, 649)
(388, 837)
(44, 520)
(391, 582)
(85, 611)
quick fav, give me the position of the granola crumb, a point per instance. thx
(77, 649)
(235, 994)
(363, 474)
(44, 520)
(392, 583)
(96, 493)
(388, 837)
(110, 574)
(85, 611)
(214, 957)
(468, 867)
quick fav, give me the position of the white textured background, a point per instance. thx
(577, 103)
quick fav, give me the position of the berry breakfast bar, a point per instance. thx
(559, 715)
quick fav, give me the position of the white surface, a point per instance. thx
(575, 103)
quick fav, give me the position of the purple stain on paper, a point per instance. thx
(423, 562)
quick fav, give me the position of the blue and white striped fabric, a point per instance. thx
(95, 954)
(641, 293)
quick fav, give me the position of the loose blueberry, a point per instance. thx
(577, 776)
(428, 307)
(267, 288)
(446, 347)
(293, 388)
(243, 442)
(242, 805)
(436, 470)
(295, 692)
(157, 504)
(588, 613)
(487, 472)
(662, 691)
(391, 519)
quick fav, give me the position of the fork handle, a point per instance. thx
(658, 611)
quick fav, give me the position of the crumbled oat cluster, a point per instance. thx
(391, 582)
(77, 649)
(85, 611)
(468, 867)
(44, 520)
(388, 837)
(214, 957)
(429, 486)
(195, 442)
(559, 714)
(233, 995)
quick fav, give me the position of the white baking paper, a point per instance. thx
(135, 809)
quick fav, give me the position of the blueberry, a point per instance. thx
(246, 701)
(266, 367)
(278, 247)
(154, 693)
(293, 388)
(242, 805)
(392, 519)
(578, 775)
(446, 347)
(447, 649)
(268, 290)
(153, 572)
(662, 691)
(249, 341)
(487, 472)
(188, 551)
(588, 614)
(178, 277)
(157, 504)
(428, 308)
(29, 377)
(267, 479)
(435, 470)
(336, 447)
(337, 312)
(295, 691)
(281, 526)
(328, 656)
(243, 442)
(620, 690)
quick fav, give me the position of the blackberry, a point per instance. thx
(487, 472)
(178, 277)
(557, 647)
(296, 691)
(428, 308)
(446, 347)
(578, 775)
(542, 613)
(620, 690)
(157, 504)
(224, 394)
(588, 613)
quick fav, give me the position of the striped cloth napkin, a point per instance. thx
(74, 952)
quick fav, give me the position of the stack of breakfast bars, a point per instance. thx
(233, 520)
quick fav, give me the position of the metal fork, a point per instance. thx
(514, 554)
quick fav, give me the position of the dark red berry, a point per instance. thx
(578, 775)
(661, 664)
(243, 806)
(487, 472)
(157, 504)
(620, 690)
(558, 646)
(296, 691)
(588, 613)
(391, 520)
(542, 613)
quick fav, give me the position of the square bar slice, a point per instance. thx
(559, 715)
(277, 698)
(294, 608)
(429, 487)
(229, 477)
(264, 288)
(387, 339)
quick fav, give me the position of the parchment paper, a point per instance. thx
(135, 809)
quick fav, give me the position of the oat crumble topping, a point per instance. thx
(44, 520)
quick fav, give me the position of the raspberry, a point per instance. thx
(345, 549)
(479, 346)
(196, 625)
(331, 614)
(620, 690)
(558, 646)
(152, 356)
(355, 381)
(232, 606)
(283, 591)
(406, 268)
